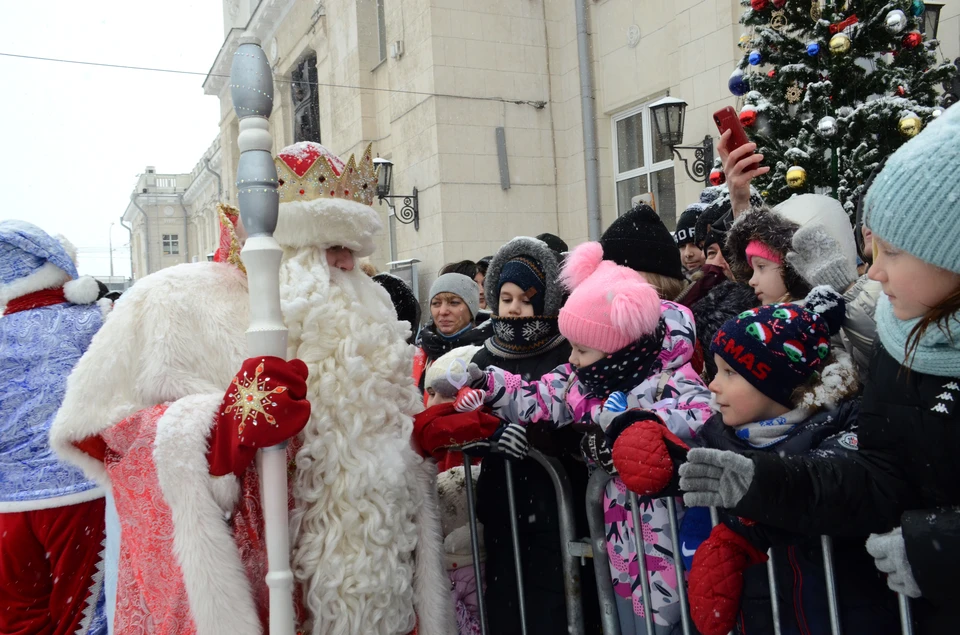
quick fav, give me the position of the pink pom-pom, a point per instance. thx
(580, 263)
(635, 309)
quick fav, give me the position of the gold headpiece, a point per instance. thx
(307, 171)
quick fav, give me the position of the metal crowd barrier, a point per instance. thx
(595, 547)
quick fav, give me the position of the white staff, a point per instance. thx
(251, 88)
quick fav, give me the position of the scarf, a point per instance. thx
(517, 338)
(625, 369)
(435, 344)
(763, 434)
(35, 300)
(937, 353)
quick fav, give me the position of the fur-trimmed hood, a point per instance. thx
(328, 222)
(532, 248)
(774, 231)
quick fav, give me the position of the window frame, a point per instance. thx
(170, 244)
(382, 31)
(649, 168)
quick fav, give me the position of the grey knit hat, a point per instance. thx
(460, 285)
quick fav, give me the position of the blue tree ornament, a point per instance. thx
(917, 8)
(755, 58)
(813, 49)
(738, 84)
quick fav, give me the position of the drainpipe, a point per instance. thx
(146, 229)
(129, 231)
(589, 114)
(206, 166)
(186, 228)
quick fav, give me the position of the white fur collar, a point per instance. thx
(49, 276)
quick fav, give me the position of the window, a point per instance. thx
(382, 30)
(306, 100)
(171, 244)
(642, 164)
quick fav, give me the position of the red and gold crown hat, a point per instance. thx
(325, 202)
(307, 171)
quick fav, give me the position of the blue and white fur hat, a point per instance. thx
(31, 260)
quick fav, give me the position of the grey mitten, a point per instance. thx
(512, 441)
(450, 383)
(819, 259)
(715, 478)
(890, 552)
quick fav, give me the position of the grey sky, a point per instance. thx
(75, 137)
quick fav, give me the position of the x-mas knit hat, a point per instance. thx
(913, 202)
(641, 241)
(778, 347)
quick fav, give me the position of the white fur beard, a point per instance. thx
(356, 498)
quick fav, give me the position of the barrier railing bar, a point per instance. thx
(568, 537)
(774, 600)
(609, 617)
(830, 579)
(906, 617)
(515, 535)
(475, 542)
(642, 559)
(678, 563)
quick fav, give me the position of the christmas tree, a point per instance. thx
(832, 88)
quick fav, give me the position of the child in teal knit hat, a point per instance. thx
(901, 485)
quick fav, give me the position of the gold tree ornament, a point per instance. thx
(796, 177)
(816, 11)
(794, 93)
(778, 21)
(910, 126)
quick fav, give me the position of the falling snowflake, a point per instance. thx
(504, 331)
(535, 330)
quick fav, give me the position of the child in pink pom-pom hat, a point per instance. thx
(629, 350)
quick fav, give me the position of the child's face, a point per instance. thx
(691, 256)
(434, 398)
(913, 286)
(767, 280)
(581, 356)
(738, 400)
(514, 302)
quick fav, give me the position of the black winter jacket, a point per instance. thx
(866, 604)
(906, 473)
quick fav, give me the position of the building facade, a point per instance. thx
(478, 103)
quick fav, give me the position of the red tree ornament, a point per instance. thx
(779, 3)
(912, 39)
(772, 72)
(717, 177)
(901, 91)
(748, 117)
(758, 5)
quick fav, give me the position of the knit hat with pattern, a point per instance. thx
(687, 224)
(610, 306)
(778, 347)
(913, 202)
(641, 241)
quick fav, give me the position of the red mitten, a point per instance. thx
(647, 455)
(265, 405)
(716, 579)
(441, 427)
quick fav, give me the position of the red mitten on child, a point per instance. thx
(716, 579)
(266, 404)
(645, 453)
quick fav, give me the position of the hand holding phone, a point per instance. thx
(741, 164)
(727, 119)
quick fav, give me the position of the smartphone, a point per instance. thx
(727, 119)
